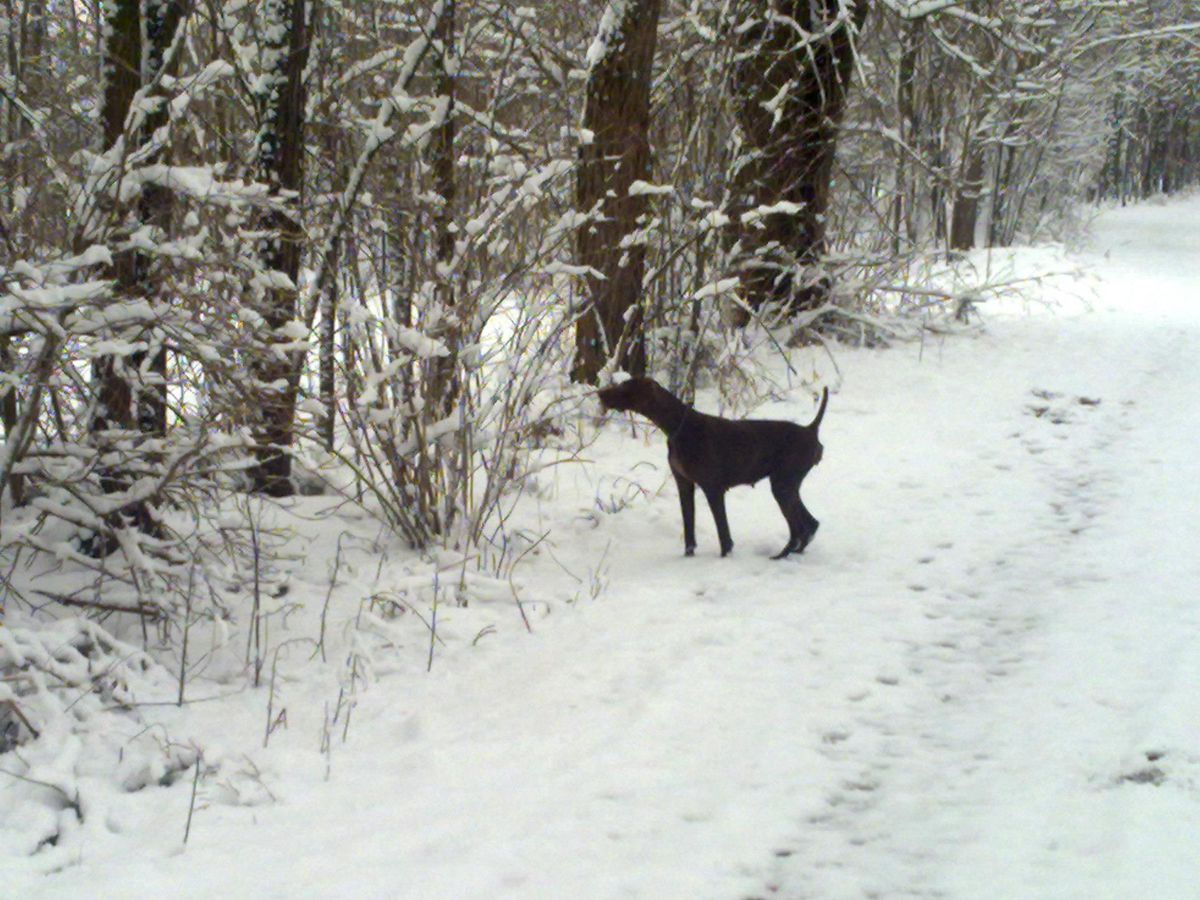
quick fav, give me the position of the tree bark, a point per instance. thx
(28, 67)
(327, 334)
(1111, 175)
(443, 384)
(965, 210)
(128, 66)
(161, 21)
(10, 417)
(280, 167)
(614, 155)
(903, 225)
(789, 86)
(138, 34)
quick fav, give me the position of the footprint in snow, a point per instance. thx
(1157, 771)
(1147, 775)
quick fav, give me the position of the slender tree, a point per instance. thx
(444, 385)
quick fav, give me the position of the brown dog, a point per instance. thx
(718, 454)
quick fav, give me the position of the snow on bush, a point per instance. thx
(71, 735)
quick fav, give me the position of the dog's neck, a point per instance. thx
(665, 410)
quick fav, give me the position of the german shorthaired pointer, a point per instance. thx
(718, 454)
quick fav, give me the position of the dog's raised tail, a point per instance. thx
(821, 411)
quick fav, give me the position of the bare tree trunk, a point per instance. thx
(1111, 176)
(1002, 188)
(443, 386)
(965, 211)
(134, 53)
(614, 155)
(128, 66)
(327, 363)
(122, 63)
(25, 46)
(790, 80)
(1146, 123)
(161, 20)
(903, 226)
(328, 309)
(10, 416)
(1160, 148)
(280, 166)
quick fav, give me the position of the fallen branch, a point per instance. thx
(146, 611)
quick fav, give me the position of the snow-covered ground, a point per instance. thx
(982, 680)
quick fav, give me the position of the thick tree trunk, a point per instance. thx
(789, 94)
(280, 166)
(615, 154)
(122, 64)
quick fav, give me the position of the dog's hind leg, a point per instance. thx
(809, 526)
(787, 494)
(716, 502)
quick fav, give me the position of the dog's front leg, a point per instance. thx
(716, 502)
(687, 505)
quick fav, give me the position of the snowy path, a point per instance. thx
(982, 680)
(1048, 743)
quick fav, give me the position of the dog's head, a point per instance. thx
(631, 394)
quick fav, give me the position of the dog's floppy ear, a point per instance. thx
(610, 396)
